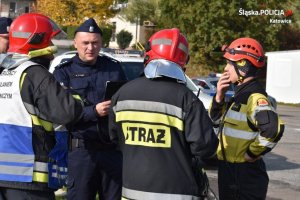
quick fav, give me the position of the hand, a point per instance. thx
(103, 108)
(222, 87)
(250, 159)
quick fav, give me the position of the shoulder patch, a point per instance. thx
(64, 63)
(262, 102)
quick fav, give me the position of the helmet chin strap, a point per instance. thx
(240, 77)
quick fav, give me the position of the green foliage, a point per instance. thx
(123, 39)
(210, 24)
(145, 10)
(107, 32)
(74, 12)
(71, 32)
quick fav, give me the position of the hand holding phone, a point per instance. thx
(222, 86)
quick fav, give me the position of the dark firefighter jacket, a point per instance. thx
(250, 124)
(161, 128)
(47, 103)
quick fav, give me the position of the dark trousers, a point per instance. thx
(94, 171)
(16, 194)
(243, 181)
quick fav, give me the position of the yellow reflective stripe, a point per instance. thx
(48, 126)
(265, 143)
(147, 117)
(40, 177)
(76, 96)
(149, 135)
(22, 79)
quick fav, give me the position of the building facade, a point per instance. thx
(14, 8)
(119, 23)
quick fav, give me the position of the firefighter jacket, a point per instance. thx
(161, 128)
(248, 123)
(89, 82)
(30, 100)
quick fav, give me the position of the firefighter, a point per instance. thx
(33, 155)
(4, 28)
(249, 125)
(95, 166)
(161, 127)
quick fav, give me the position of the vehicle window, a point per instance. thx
(132, 69)
(203, 84)
(214, 83)
(190, 84)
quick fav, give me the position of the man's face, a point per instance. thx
(3, 44)
(88, 46)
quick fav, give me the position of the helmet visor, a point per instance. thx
(58, 33)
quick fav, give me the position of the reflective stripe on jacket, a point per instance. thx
(241, 132)
(17, 160)
(16, 152)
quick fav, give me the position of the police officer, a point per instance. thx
(249, 125)
(161, 126)
(4, 28)
(94, 163)
(31, 152)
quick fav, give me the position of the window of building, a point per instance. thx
(12, 7)
(113, 35)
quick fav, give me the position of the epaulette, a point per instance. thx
(65, 62)
(108, 57)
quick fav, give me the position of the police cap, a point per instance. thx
(89, 26)
(4, 25)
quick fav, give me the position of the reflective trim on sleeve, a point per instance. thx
(264, 142)
(147, 117)
(136, 194)
(149, 106)
(40, 177)
(76, 96)
(240, 134)
(261, 108)
(40, 166)
(39, 122)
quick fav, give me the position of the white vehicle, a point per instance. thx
(132, 63)
(133, 66)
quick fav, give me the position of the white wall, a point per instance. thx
(283, 76)
(121, 24)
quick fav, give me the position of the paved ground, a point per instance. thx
(283, 163)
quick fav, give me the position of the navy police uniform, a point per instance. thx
(94, 164)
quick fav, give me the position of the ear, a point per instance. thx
(75, 43)
(242, 73)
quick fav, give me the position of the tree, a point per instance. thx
(74, 12)
(123, 39)
(210, 24)
(145, 10)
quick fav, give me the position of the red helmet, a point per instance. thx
(168, 44)
(245, 48)
(31, 31)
